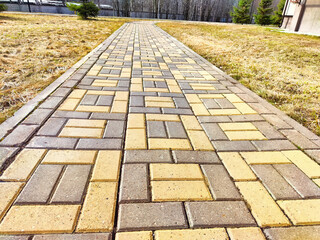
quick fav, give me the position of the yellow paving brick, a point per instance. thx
(142, 235)
(168, 171)
(245, 135)
(29, 219)
(136, 139)
(174, 144)
(193, 98)
(121, 96)
(86, 123)
(174, 89)
(154, 73)
(192, 234)
(248, 233)
(236, 166)
(69, 104)
(86, 108)
(23, 166)
(160, 104)
(302, 212)
(163, 117)
(81, 132)
(136, 80)
(210, 96)
(264, 157)
(224, 112)
(237, 126)
(233, 98)
(244, 108)
(8, 193)
(317, 181)
(70, 157)
(77, 93)
(136, 87)
(199, 109)
(263, 207)
(302, 161)
(105, 93)
(136, 120)
(98, 209)
(156, 90)
(190, 122)
(200, 141)
(180, 191)
(107, 166)
(119, 107)
(104, 83)
(158, 99)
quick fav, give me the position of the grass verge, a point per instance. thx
(282, 68)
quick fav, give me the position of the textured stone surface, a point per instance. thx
(293, 233)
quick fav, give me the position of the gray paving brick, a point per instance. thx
(278, 187)
(161, 85)
(136, 101)
(114, 129)
(247, 98)
(38, 116)
(144, 110)
(267, 130)
(156, 129)
(233, 146)
(195, 157)
(293, 233)
(8, 237)
(211, 104)
(147, 156)
(181, 103)
(104, 101)
(276, 121)
(69, 114)
(108, 116)
(224, 103)
(214, 119)
(174, 95)
(175, 130)
(246, 118)
(219, 214)
(275, 145)
(72, 184)
(52, 142)
(52, 127)
(89, 100)
(315, 154)
(107, 143)
(143, 94)
(182, 111)
(51, 102)
(259, 108)
(300, 182)
(5, 153)
(82, 236)
(214, 132)
(134, 183)
(40, 184)
(19, 135)
(61, 92)
(220, 183)
(299, 139)
(151, 216)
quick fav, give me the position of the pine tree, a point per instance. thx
(241, 13)
(277, 17)
(264, 13)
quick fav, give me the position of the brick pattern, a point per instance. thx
(150, 131)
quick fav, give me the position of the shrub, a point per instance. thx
(241, 13)
(84, 10)
(3, 7)
(264, 13)
(277, 17)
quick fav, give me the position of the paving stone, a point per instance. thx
(213, 119)
(72, 184)
(265, 158)
(299, 139)
(293, 233)
(246, 118)
(108, 116)
(278, 187)
(147, 156)
(274, 145)
(167, 144)
(23, 165)
(315, 154)
(41, 183)
(181, 103)
(61, 92)
(300, 182)
(192, 234)
(141, 235)
(69, 157)
(136, 101)
(177, 111)
(107, 166)
(52, 142)
(175, 130)
(302, 212)
(83, 236)
(195, 157)
(38, 116)
(114, 129)
(268, 130)
(51, 102)
(233, 146)
(80, 132)
(156, 129)
(222, 214)
(104, 101)
(134, 183)
(68, 114)
(144, 110)
(99, 144)
(99, 208)
(52, 127)
(89, 100)
(151, 216)
(276, 121)
(263, 207)
(30, 219)
(164, 171)
(221, 186)
(19, 135)
(21, 237)
(224, 103)
(211, 104)
(214, 132)
(5, 153)
(8, 193)
(248, 233)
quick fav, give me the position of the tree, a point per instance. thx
(241, 13)
(264, 13)
(277, 17)
(3, 7)
(85, 9)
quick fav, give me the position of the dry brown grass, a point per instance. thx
(282, 68)
(36, 49)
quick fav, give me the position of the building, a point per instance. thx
(302, 16)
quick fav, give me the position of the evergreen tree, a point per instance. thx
(241, 13)
(264, 13)
(277, 17)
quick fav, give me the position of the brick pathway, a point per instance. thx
(148, 141)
